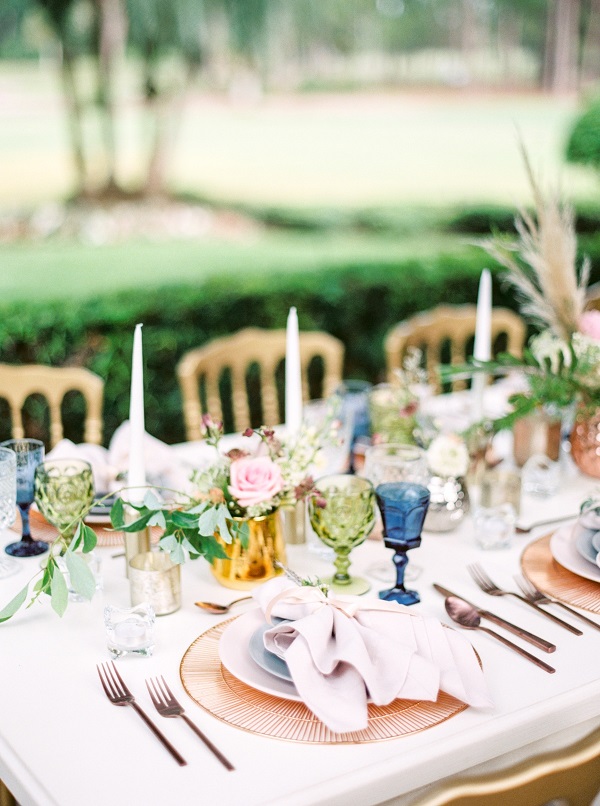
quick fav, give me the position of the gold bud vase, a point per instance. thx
(250, 565)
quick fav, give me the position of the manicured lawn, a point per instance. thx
(56, 269)
(349, 150)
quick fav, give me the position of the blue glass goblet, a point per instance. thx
(29, 453)
(403, 508)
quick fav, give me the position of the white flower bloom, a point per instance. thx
(548, 346)
(448, 456)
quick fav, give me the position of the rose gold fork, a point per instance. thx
(487, 586)
(166, 705)
(534, 595)
(118, 693)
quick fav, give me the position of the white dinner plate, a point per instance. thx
(562, 547)
(235, 657)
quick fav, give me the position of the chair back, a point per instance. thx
(452, 325)
(205, 366)
(566, 777)
(17, 383)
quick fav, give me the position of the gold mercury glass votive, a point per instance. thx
(155, 579)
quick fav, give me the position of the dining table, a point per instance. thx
(62, 743)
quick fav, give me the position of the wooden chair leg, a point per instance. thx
(6, 799)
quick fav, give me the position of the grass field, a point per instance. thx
(56, 270)
(400, 150)
(349, 150)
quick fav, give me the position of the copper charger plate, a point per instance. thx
(217, 691)
(540, 567)
(42, 530)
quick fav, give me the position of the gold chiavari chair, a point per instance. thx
(17, 383)
(200, 372)
(452, 325)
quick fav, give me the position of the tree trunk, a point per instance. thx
(562, 41)
(74, 116)
(111, 39)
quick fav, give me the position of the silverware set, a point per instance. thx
(483, 581)
(165, 703)
(469, 615)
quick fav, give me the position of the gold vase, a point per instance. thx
(585, 441)
(248, 566)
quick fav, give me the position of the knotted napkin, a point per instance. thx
(342, 650)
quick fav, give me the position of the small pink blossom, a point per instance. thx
(255, 480)
(589, 324)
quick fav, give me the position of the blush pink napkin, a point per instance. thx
(342, 650)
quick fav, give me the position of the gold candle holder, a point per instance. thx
(293, 523)
(135, 542)
(154, 578)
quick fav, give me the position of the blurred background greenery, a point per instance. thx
(201, 165)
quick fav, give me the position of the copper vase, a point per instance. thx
(538, 433)
(585, 441)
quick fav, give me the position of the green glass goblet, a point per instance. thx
(345, 521)
(64, 492)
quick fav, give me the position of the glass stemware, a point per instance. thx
(64, 491)
(403, 508)
(343, 523)
(394, 461)
(8, 503)
(28, 454)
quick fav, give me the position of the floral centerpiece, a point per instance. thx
(237, 489)
(561, 363)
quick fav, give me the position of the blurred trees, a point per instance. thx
(247, 45)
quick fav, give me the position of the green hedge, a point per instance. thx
(356, 303)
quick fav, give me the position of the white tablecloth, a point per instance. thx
(63, 744)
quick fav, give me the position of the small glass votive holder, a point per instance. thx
(156, 579)
(501, 486)
(541, 476)
(130, 631)
(494, 527)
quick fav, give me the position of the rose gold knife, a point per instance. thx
(546, 646)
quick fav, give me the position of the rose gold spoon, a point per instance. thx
(218, 609)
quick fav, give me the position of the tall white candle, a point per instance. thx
(293, 378)
(483, 339)
(137, 468)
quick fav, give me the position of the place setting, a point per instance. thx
(564, 564)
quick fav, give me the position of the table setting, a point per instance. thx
(364, 672)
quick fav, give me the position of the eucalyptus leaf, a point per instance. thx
(59, 594)
(151, 500)
(243, 533)
(75, 542)
(89, 539)
(158, 519)
(184, 519)
(117, 513)
(199, 508)
(223, 524)
(14, 605)
(168, 543)
(208, 521)
(82, 579)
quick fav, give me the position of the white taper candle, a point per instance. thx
(293, 378)
(483, 339)
(137, 467)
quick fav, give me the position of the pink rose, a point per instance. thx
(589, 324)
(255, 480)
